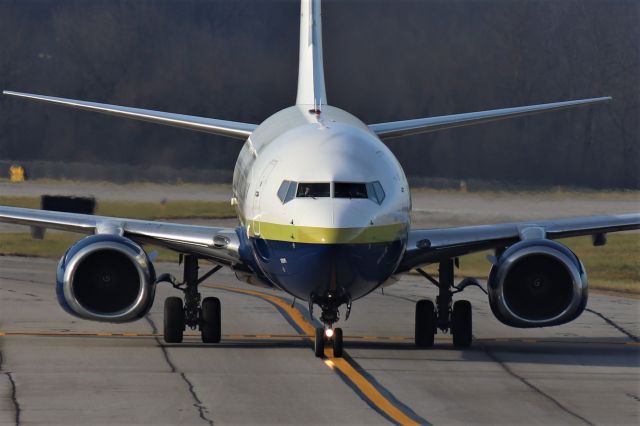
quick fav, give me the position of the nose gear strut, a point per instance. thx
(329, 303)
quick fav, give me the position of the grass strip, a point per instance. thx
(615, 267)
(178, 209)
(55, 244)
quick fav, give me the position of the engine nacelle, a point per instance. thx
(537, 283)
(106, 278)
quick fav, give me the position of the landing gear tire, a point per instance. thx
(210, 328)
(173, 320)
(461, 324)
(425, 323)
(318, 346)
(337, 343)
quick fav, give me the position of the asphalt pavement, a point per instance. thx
(56, 369)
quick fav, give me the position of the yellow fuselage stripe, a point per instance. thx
(318, 235)
(365, 386)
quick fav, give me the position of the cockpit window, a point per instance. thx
(291, 193)
(376, 193)
(313, 190)
(372, 190)
(350, 190)
(287, 191)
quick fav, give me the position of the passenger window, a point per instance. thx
(313, 190)
(350, 190)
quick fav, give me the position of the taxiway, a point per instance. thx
(55, 369)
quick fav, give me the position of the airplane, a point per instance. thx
(324, 215)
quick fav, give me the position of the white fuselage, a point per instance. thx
(302, 146)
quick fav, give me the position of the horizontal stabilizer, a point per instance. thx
(208, 125)
(396, 129)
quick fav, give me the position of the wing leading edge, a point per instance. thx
(432, 245)
(416, 126)
(221, 245)
(231, 129)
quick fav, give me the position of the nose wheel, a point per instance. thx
(326, 335)
(337, 343)
(318, 345)
(329, 302)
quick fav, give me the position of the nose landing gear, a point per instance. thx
(329, 303)
(324, 335)
(445, 315)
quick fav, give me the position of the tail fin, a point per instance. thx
(311, 89)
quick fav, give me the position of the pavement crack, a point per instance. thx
(161, 346)
(14, 391)
(614, 325)
(531, 386)
(395, 296)
(14, 399)
(202, 409)
(23, 280)
(632, 396)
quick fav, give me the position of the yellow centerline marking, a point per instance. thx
(367, 388)
(294, 313)
(364, 385)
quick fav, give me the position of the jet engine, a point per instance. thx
(537, 283)
(106, 278)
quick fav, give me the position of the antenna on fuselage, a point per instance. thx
(311, 90)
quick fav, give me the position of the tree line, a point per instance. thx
(384, 60)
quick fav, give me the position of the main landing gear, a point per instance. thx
(329, 303)
(191, 313)
(445, 315)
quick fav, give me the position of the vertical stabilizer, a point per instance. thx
(310, 71)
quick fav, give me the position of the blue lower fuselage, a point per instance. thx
(304, 269)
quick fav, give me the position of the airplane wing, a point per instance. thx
(396, 129)
(232, 129)
(432, 245)
(221, 245)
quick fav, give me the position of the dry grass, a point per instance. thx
(614, 267)
(55, 244)
(560, 193)
(144, 210)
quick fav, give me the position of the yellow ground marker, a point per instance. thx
(295, 314)
(368, 389)
(365, 386)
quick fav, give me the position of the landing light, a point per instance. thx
(329, 333)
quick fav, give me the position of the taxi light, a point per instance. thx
(329, 333)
